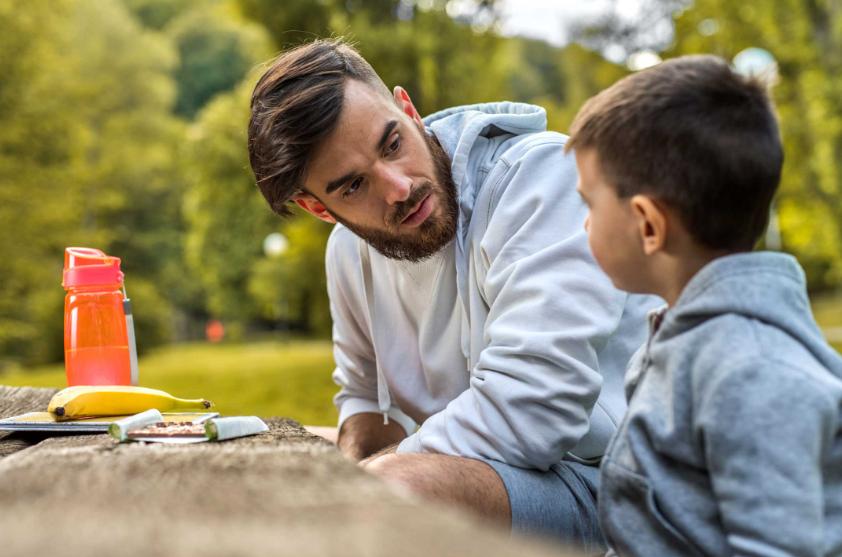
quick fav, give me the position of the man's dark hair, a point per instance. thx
(295, 105)
(695, 135)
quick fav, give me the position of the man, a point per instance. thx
(475, 338)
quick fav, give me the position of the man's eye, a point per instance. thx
(352, 187)
(394, 146)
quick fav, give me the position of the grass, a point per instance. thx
(290, 379)
(828, 312)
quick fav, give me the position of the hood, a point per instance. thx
(766, 286)
(463, 132)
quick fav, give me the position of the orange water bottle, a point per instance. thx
(96, 339)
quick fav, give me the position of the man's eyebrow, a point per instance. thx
(387, 131)
(334, 185)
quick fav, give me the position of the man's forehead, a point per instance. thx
(365, 110)
(360, 100)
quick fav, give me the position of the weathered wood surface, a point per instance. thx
(18, 400)
(282, 493)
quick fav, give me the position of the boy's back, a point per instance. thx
(734, 428)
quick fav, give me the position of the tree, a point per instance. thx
(156, 14)
(227, 217)
(298, 21)
(412, 47)
(34, 156)
(87, 140)
(805, 37)
(291, 288)
(216, 50)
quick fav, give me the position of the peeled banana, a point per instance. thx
(117, 400)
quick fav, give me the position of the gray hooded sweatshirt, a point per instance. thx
(732, 444)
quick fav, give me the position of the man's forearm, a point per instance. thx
(364, 434)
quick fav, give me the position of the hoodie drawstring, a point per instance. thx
(384, 398)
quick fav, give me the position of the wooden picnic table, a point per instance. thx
(285, 492)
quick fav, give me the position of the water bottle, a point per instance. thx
(98, 337)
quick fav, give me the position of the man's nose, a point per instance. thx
(394, 184)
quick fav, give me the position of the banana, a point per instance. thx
(116, 400)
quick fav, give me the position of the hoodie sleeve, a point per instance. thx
(353, 352)
(765, 427)
(550, 309)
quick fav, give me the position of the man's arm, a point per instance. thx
(550, 309)
(364, 434)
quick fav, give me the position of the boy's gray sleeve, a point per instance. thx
(550, 309)
(353, 353)
(765, 428)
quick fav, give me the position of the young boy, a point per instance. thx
(732, 444)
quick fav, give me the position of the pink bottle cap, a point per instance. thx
(90, 267)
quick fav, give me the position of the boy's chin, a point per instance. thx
(630, 285)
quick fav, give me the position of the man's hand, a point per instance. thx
(364, 434)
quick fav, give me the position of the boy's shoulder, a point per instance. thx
(747, 316)
(747, 357)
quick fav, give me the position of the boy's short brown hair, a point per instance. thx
(695, 135)
(295, 105)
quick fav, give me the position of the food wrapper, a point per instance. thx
(119, 430)
(220, 429)
(151, 429)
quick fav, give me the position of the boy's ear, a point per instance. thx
(405, 104)
(651, 223)
(313, 206)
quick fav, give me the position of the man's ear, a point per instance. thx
(313, 206)
(405, 104)
(651, 223)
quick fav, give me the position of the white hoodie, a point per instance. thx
(509, 344)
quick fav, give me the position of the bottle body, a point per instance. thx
(96, 346)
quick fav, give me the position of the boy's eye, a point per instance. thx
(352, 187)
(394, 145)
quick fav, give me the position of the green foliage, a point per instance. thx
(33, 156)
(84, 114)
(828, 309)
(805, 37)
(806, 40)
(123, 127)
(228, 218)
(566, 80)
(215, 53)
(291, 287)
(156, 14)
(298, 21)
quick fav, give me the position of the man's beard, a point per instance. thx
(432, 234)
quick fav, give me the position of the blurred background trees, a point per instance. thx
(123, 127)
(805, 39)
